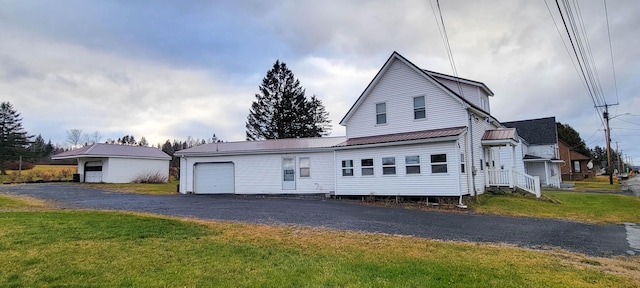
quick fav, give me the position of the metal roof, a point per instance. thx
(500, 134)
(265, 145)
(113, 150)
(542, 131)
(418, 135)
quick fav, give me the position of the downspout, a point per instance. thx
(473, 159)
(335, 173)
(457, 149)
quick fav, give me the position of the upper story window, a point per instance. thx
(347, 167)
(419, 111)
(389, 166)
(381, 113)
(367, 167)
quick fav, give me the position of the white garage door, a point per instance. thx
(213, 178)
(93, 172)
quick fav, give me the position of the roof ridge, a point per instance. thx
(93, 146)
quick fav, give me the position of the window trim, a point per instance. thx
(308, 167)
(412, 165)
(462, 164)
(422, 108)
(381, 113)
(395, 172)
(346, 168)
(439, 164)
(368, 167)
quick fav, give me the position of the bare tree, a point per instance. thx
(92, 138)
(73, 137)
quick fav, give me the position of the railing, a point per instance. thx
(511, 178)
(527, 182)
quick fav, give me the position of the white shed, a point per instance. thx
(110, 163)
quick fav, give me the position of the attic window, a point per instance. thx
(419, 111)
(381, 113)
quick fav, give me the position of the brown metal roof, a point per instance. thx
(500, 134)
(113, 150)
(418, 135)
(265, 145)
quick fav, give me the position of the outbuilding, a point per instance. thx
(111, 163)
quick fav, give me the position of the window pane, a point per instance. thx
(289, 175)
(347, 163)
(366, 162)
(462, 167)
(388, 170)
(389, 161)
(381, 119)
(418, 102)
(439, 168)
(413, 169)
(437, 158)
(381, 108)
(304, 162)
(412, 159)
(367, 171)
(288, 163)
(419, 114)
(304, 172)
(347, 172)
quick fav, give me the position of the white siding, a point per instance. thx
(544, 151)
(479, 125)
(423, 184)
(262, 174)
(125, 170)
(397, 87)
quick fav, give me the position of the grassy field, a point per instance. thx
(109, 249)
(579, 206)
(598, 183)
(41, 172)
(168, 188)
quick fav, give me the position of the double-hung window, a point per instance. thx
(305, 171)
(347, 167)
(462, 163)
(439, 163)
(412, 164)
(381, 113)
(419, 108)
(367, 167)
(389, 166)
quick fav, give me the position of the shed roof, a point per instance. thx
(264, 145)
(542, 131)
(408, 136)
(113, 150)
(500, 134)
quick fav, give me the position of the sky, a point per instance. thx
(174, 69)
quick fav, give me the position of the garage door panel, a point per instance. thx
(214, 178)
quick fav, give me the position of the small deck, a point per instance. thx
(506, 178)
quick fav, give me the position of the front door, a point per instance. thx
(289, 173)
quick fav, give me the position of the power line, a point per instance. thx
(448, 48)
(613, 67)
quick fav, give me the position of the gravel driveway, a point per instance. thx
(595, 240)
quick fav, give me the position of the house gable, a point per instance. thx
(396, 85)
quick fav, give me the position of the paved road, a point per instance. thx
(596, 240)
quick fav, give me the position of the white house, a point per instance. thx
(412, 132)
(110, 163)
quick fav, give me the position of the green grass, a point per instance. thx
(168, 188)
(579, 206)
(108, 249)
(598, 183)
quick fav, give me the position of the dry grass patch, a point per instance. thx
(11, 202)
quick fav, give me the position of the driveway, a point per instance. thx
(595, 240)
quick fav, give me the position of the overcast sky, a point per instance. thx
(172, 69)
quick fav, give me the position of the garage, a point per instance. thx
(214, 178)
(93, 172)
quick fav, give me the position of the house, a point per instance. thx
(110, 163)
(412, 132)
(541, 155)
(577, 165)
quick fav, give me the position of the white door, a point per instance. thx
(93, 172)
(214, 178)
(289, 173)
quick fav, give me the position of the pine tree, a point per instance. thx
(281, 109)
(569, 135)
(13, 138)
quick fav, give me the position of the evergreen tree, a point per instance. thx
(143, 142)
(13, 138)
(281, 109)
(570, 136)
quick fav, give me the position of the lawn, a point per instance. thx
(40, 172)
(113, 249)
(598, 183)
(579, 206)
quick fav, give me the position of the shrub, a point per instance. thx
(151, 177)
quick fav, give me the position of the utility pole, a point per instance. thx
(607, 133)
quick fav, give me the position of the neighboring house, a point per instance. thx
(576, 167)
(412, 132)
(541, 156)
(110, 163)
